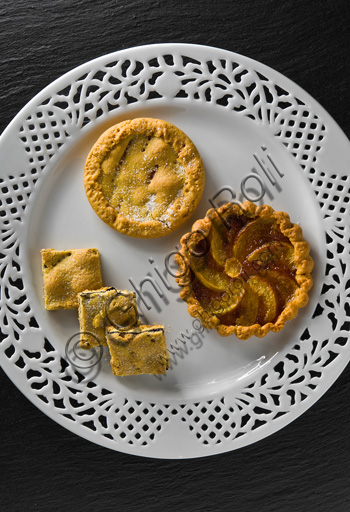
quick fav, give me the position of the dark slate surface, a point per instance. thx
(305, 466)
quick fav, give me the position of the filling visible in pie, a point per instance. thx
(105, 307)
(243, 271)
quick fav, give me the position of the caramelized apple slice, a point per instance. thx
(267, 299)
(227, 302)
(233, 267)
(211, 278)
(284, 285)
(219, 303)
(223, 234)
(218, 247)
(253, 235)
(232, 298)
(248, 307)
(275, 251)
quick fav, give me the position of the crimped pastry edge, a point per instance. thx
(183, 206)
(302, 259)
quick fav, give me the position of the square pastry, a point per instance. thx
(138, 351)
(66, 273)
(103, 307)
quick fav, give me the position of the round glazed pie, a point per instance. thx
(244, 270)
(144, 177)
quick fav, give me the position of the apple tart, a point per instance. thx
(244, 270)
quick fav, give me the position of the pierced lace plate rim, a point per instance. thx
(322, 386)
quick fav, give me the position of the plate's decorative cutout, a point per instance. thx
(243, 87)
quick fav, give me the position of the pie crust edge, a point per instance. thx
(302, 260)
(190, 196)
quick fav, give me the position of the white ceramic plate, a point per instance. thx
(219, 393)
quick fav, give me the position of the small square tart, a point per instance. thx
(138, 351)
(67, 273)
(105, 307)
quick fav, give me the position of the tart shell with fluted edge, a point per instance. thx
(244, 269)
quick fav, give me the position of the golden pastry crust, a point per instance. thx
(141, 350)
(67, 273)
(244, 270)
(144, 177)
(105, 307)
